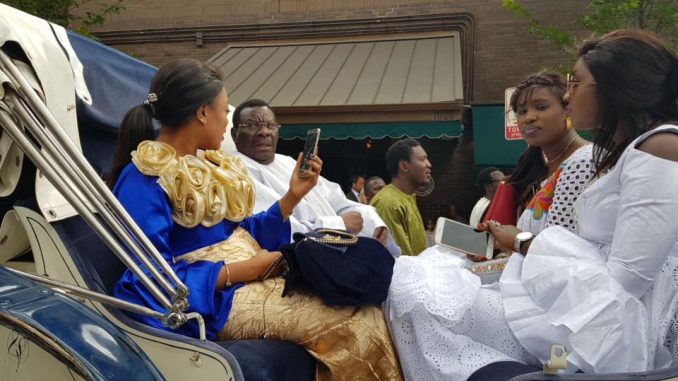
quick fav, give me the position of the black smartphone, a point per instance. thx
(310, 148)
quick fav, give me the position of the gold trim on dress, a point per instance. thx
(240, 246)
(350, 343)
(200, 192)
(335, 237)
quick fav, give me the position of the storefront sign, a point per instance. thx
(511, 131)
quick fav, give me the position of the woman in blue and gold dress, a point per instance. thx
(198, 214)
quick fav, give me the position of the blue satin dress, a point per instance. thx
(149, 206)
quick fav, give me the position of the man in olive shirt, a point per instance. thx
(396, 203)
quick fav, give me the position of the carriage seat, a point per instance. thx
(101, 269)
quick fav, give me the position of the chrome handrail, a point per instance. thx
(166, 319)
(58, 159)
(54, 140)
(73, 197)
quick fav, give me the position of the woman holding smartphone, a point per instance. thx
(549, 176)
(198, 214)
(608, 293)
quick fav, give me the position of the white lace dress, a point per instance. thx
(445, 325)
(609, 293)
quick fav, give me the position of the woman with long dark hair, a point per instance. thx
(607, 291)
(198, 214)
(610, 290)
(557, 164)
(540, 109)
(550, 174)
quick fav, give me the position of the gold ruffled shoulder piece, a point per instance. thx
(200, 192)
(240, 192)
(227, 161)
(152, 157)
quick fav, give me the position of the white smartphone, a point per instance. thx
(460, 237)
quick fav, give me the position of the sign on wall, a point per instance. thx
(511, 131)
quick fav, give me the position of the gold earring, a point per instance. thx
(568, 122)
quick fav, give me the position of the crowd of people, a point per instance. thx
(594, 248)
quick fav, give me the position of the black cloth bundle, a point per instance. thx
(343, 271)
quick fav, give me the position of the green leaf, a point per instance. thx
(62, 12)
(658, 16)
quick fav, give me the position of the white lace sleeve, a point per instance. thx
(575, 174)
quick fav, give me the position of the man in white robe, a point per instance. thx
(255, 133)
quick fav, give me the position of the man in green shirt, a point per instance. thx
(396, 203)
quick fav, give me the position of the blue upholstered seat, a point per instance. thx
(257, 359)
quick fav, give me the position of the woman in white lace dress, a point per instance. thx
(427, 291)
(609, 293)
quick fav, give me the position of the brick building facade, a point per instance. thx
(499, 52)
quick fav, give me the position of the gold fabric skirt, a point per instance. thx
(350, 343)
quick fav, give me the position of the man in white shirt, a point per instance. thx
(255, 133)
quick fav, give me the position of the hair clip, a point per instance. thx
(151, 98)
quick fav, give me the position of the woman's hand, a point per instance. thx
(476, 258)
(248, 270)
(300, 184)
(263, 261)
(505, 235)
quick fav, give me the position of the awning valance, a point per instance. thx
(448, 129)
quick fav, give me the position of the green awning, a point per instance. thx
(490, 146)
(448, 129)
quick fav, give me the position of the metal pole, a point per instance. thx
(89, 294)
(171, 319)
(65, 169)
(24, 88)
(34, 154)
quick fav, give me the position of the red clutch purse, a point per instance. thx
(503, 210)
(503, 206)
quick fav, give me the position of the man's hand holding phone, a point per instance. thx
(300, 184)
(305, 175)
(310, 149)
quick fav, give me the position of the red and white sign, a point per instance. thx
(511, 131)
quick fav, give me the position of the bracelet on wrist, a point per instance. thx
(227, 284)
